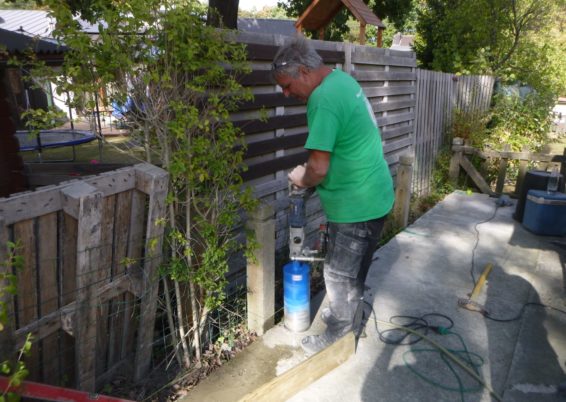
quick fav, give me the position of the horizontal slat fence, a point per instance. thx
(87, 287)
(275, 144)
(438, 96)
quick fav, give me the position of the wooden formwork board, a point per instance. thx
(289, 383)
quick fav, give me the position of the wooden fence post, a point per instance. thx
(523, 163)
(502, 170)
(261, 272)
(403, 191)
(153, 181)
(84, 202)
(456, 158)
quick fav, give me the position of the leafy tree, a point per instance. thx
(178, 78)
(223, 13)
(220, 12)
(265, 12)
(396, 12)
(520, 42)
(86, 9)
(18, 4)
(483, 36)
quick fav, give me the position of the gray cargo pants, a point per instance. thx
(350, 251)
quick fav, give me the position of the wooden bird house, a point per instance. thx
(320, 13)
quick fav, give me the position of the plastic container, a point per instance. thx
(534, 180)
(552, 185)
(545, 213)
(297, 296)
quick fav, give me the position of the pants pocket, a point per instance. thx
(347, 254)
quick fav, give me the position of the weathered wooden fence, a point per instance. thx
(439, 95)
(87, 289)
(460, 161)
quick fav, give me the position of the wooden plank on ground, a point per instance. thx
(289, 383)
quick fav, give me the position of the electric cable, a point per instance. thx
(466, 363)
(486, 314)
(393, 337)
(478, 241)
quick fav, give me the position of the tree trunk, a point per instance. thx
(223, 13)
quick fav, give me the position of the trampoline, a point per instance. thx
(53, 139)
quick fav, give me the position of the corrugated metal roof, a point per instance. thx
(35, 23)
(28, 22)
(16, 42)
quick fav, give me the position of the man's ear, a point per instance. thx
(304, 70)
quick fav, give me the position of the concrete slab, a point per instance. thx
(424, 270)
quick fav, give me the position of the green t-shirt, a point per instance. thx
(358, 186)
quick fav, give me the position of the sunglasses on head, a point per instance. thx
(276, 66)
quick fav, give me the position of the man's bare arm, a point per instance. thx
(314, 172)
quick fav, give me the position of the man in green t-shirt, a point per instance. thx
(351, 176)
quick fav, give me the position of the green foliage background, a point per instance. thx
(521, 42)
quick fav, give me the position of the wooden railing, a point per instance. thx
(460, 160)
(87, 287)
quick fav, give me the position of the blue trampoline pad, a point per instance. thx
(53, 138)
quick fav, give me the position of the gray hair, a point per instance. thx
(291, 56)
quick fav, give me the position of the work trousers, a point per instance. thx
(349, 256)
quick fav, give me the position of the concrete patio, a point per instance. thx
(426, 269)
